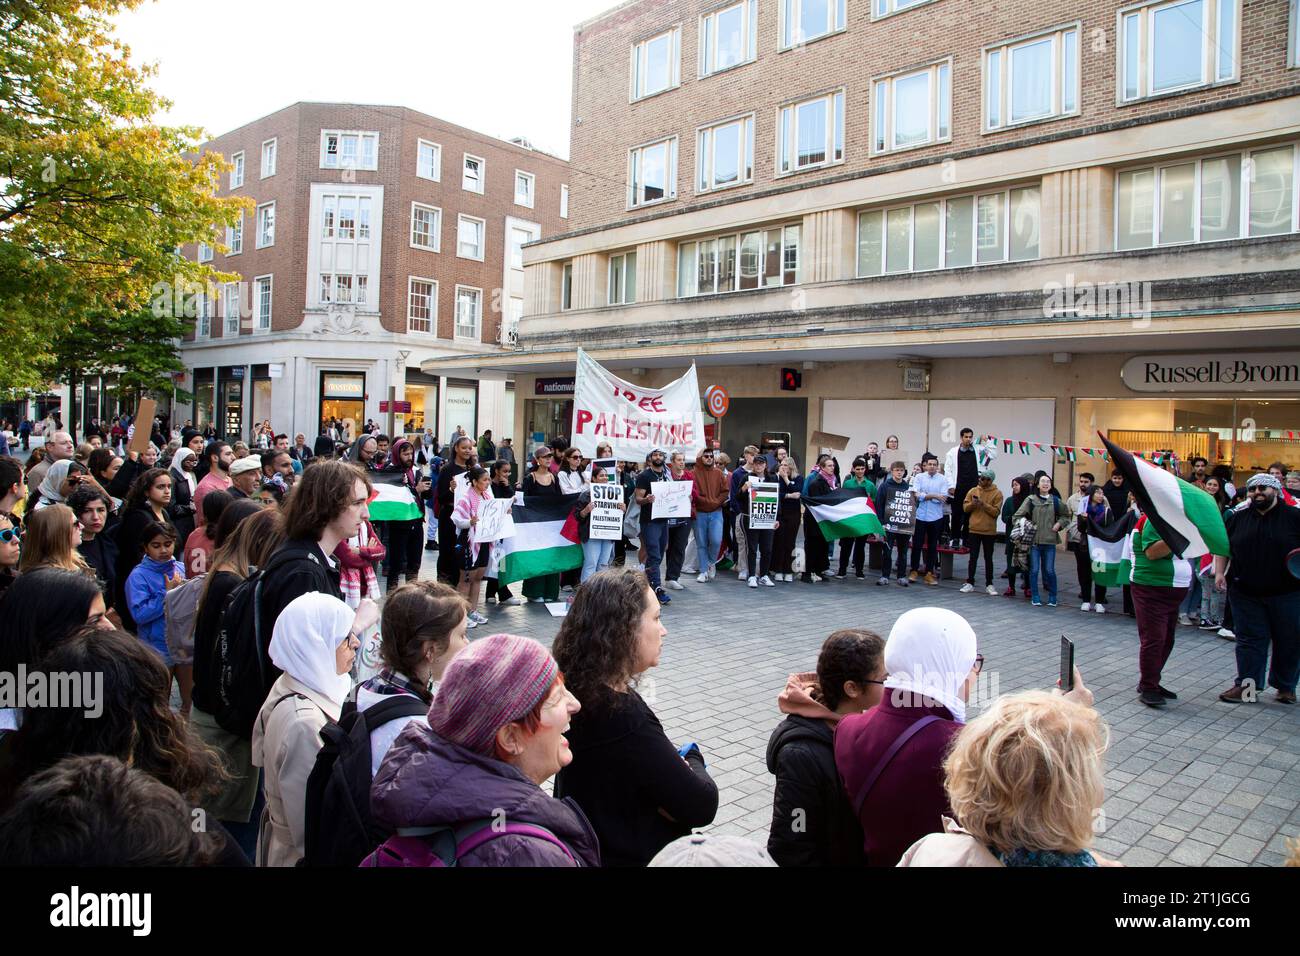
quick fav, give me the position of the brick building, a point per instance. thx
(380, 238)
(1039, 220)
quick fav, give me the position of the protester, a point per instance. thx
(1021, 487)
(932, 663)
(58, 447)
(1117, 493)
(654, 529)
(147, 585)
(982, 505)
(1159, 584)
(540, 481)
(1048, 514)
(104, 464)
(679, 529)
(736, 508)
(183, 509)
(637, 788)
(51, 540)
(365, 452)
(245, 476)
(1094, 508)
(596, 552)
(962, 466)
(501, 488)
(855, 549)
(462, 455)
(201, 543)
(217, 459)
(423, 628)
(404, 540)
(10, 552)
(495, 734)
(1074, 529)
(709, 495)
(1055, 741)
(145, 503)
(314, 644)
(61, 480)
(712, 850)
(896, 483)
(358, 558)
(788, 519)
(473, 552)
(813, 823)
(1263, 593)
(758, 541)
(931, 490)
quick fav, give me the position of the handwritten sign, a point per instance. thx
(762, 505)
(672, 499)
(494, 521)
(606, 517)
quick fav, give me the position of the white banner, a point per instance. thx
(763, 505)
(606, 515)
(634, 419)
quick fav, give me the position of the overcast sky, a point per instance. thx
(502, 67)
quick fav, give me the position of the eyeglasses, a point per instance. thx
(10, 535)
(979, 663)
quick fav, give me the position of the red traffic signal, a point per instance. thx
(791, 379)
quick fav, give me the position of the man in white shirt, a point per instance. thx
(931, 492)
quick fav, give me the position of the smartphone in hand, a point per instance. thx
(1067, 664)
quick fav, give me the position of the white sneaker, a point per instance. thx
(789, 579)
(1099, 608)
(470, 624)
(1225, 632)
(517, 600)
(753, 582)
(538, 600)
(741, 575)
(766, 582)
(1185, 619)
(1085, 606)
(704, 577)
(991, 590)
(690, 570)
(967, 588)
(674, 585)
(477, 618)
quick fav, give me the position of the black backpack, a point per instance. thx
(242, 668)
(339, 830)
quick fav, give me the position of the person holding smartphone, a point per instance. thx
(405, 539)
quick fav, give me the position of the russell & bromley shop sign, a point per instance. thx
(1214, 372)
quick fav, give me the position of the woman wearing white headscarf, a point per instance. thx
(890, 758)
(62, 478)
(314, 644)
(181, 509)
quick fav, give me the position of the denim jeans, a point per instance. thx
(1259, 622)
(1045, 553)
(708, 537)
(596, 556)
(1211, 599)
(654, 535)
(1192, 603)
(901, 542)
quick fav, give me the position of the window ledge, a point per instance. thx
(810, 40)
(1120, 102)
(651, 203)
(727, 69)
(722, 189)
(876, 18)
(1007, 127)
(650, 96)
(809, 169)
(895, 150)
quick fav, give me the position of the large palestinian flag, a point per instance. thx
(545, 540)
(1186, 518)
(844, 513)
(1110, 550)
(392, 499)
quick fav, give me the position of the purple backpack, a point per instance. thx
(444, 846)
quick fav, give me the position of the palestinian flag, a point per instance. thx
(844, 513)
(1186, 518)
(392, 499)
(545, 540)
(1024, 447)
(1006, 446)
(1111, 551)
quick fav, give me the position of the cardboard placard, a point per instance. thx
(143, 422)
(672, 499)
(830, 440)
(606, 517)
(900, 512)
(763, 505)
(495, 521)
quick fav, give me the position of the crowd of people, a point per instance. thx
(249, 583)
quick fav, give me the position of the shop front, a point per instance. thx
(460, 410)
(204, 396)
(422, 393)
(343, 397)
(230, 402)
(549, 415)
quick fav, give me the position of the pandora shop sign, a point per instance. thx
(1214, 372)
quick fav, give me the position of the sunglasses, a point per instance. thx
(10, 535)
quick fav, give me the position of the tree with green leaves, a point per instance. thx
(95, 200)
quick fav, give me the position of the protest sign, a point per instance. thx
(762, 505)
(634, 419)
(494, 521)
(672, 499)
(606, 515)
(900, 511)
(142, 425)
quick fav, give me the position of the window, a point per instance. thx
(950, 233)
(265, 225)
(230, 307)
(237, 170)
(1032, 80)
(345, 149)
(1233, 196)
(469, 313)
(566, 286)
(728, 37)
(803, 21)
(1293, 40)
(884, 8)
(913, 109)
(473, 175)
(421, 305)
(426, 227)
(262, 304)
(622, 279)
(725, 154)
(469, 237)
(656, 64)
(268, 158)
(1170, 47)
(524, 184)
(752, 260)
(652, 173)
(343, 249)
(235, 236)
(202, 316)
(428, 160)
(564, 202)
(518, 237)
(205, 252)
(811, 133)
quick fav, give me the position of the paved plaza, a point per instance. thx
(1198, 783)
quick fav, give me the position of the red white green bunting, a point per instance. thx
(1070, 452)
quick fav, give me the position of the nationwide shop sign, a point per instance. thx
(606, 516)
(900, 512)
(635, 419)
(762, 505)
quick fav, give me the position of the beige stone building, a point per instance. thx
(1037, 220)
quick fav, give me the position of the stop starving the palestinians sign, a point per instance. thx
(634, 419)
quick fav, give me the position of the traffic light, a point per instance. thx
(791, 379)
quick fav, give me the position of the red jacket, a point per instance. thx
(908, 800)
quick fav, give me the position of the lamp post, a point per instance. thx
(402, 355)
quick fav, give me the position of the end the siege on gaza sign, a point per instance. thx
(634, 419)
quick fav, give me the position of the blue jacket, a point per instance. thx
(145, 588)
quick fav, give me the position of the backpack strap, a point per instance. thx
(394, 707)
(861, 796)
(451, 844)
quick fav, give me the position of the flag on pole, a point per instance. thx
(1186, 518)
(1110, 550)
(391, 499)
(545, 541)
(844, 513)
